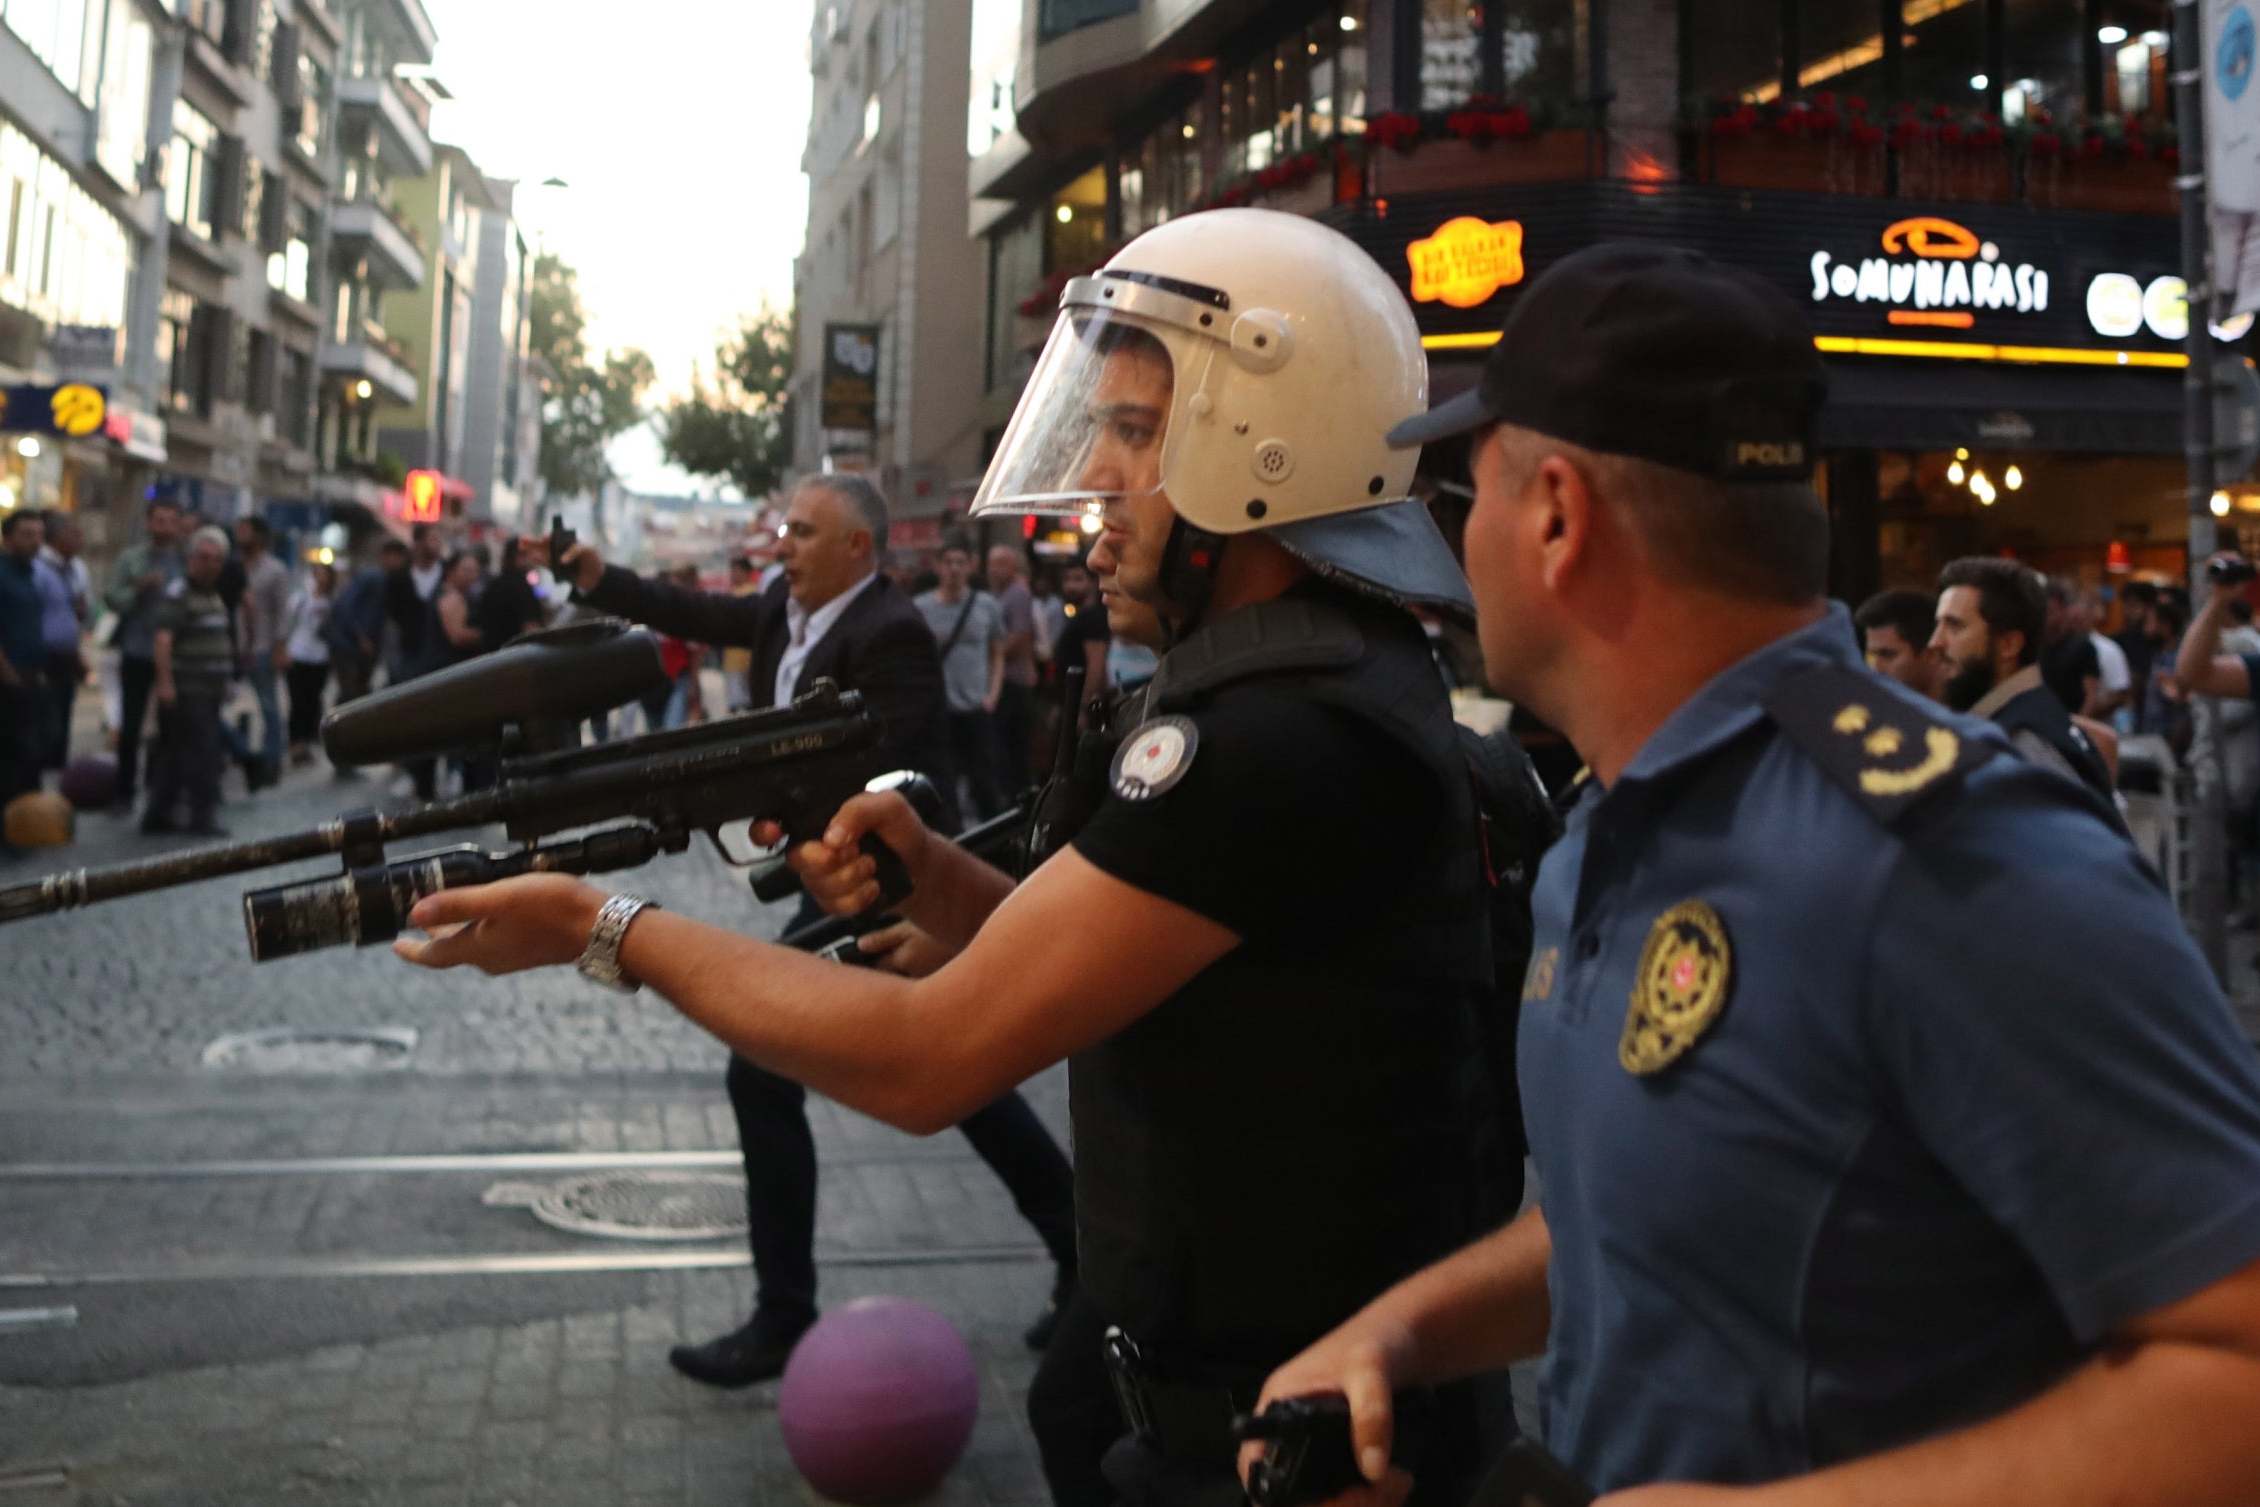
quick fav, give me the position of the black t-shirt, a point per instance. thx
(503, 610)
(2067, 665)
(1290, 816)
(1087, 626)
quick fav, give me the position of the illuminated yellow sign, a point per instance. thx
(1466, 261)
(78, 409)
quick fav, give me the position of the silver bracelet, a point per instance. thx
(600, 959)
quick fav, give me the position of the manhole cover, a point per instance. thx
(633, 1205)
(313, 1049)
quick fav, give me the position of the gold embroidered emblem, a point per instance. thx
(1941, 750)
(1852, 721)
(1538, 984)
(1883, 742)
(1678, 990)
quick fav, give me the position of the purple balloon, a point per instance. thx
(878, 1402)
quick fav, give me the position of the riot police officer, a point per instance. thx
(1266, 945)
(1893, 1143)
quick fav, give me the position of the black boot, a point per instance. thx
(757, 1352)
(1038, 1336)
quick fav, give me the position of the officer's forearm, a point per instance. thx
(2158, 1422)
(1479, 1310)
(867, 1039)
(956, 894)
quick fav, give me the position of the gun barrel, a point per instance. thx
(73, 888)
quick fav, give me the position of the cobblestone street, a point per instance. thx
(263, 1313)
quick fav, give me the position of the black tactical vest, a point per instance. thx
(1298, 1127)
(2040, 712)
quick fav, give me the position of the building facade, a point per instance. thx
(81, 228)
(381, 122)
(1971, 198)
(882, 287)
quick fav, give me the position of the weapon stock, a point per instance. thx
(793, 765)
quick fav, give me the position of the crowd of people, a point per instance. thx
(196, 620)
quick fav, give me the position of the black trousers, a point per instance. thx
(307, 680)
(973, 750)
(1072, 1408)
(190, 754)
(23, 734)
(59, 692)
(1016, 732)
(780, 1175)
(137, 678)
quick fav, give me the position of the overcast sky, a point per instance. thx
(677, 127)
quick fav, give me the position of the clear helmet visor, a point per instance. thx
(1094, 422)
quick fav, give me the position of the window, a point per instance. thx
(260, 373)
(295, 398)
(121, 120)
(256, 186)
(191, 174)
(309, 129)
(64, 257)
(186, 334)
(1731, 51)
(290, 266)
(1536, 48)
(65, 35)
(1451, 49)
(207, 16)
(1016, 270)
(1942, 53)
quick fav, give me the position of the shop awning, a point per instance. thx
(1883, 404)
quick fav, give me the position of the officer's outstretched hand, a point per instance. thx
(1363, 1361)
(903, 948)
(532, 921)
(834, 871)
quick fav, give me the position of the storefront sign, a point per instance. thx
(86, 352)
(1933, 272)
(1466, 262)
(850, 398)
(73, 409)
(140, 435)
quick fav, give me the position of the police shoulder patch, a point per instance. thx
(1154, 757)
(1886, 752)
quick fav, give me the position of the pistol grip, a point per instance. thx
(893, 878)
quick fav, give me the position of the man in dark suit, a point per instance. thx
(828, 615)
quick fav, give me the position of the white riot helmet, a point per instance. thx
(1266, 358)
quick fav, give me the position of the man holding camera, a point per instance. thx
(2201, 667)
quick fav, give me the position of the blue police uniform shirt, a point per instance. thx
(1972, 1103)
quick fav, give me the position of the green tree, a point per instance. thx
(588, 401)
(732, 426)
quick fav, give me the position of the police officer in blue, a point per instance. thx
(1893, 1144)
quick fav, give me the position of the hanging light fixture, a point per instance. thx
(2012, 478)
(2220, 504)
(1954, 473)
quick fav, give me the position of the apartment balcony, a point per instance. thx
(372, 359)
(361, 231)
(403, 135)
(409, 25)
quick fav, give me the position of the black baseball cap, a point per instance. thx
(1655, 352)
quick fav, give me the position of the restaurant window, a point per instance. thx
(1535, 48)
(1184, 181)
(1733, 53)
(1016, 271)
(1451, 52)
(1075, 224)
(1840, 48)
(1942, 54)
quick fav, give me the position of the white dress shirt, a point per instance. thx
(807, 630)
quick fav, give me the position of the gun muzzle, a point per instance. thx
(561, 675)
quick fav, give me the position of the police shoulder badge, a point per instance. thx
(1154, 758)
(1679, 989)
